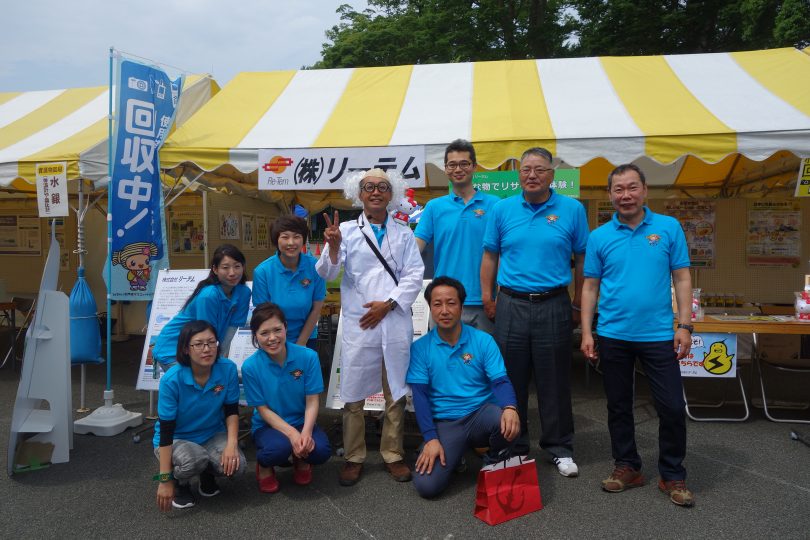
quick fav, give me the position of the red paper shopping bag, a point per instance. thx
(507, 490)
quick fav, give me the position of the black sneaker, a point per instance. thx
(208, 485)
(183, 497)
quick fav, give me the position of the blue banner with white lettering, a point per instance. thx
(146, 102)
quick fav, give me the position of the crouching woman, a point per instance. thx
(197, 431)
(283, 382)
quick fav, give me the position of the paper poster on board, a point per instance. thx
(697, 219)
(228, 225)
(421, 314)
(774, 234)
(712, 355)
(172, 289)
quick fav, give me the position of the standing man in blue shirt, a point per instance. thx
(455, 224)
(629, 263)
(461, 394)
(529, 240)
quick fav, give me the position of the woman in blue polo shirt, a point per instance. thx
(289, 280)
(283, 382)
(222, 299)
(197, 430)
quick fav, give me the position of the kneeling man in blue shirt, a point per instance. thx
(461, 393)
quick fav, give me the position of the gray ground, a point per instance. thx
(750, 480)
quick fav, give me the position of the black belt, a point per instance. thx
(534, 297)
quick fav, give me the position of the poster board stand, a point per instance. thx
(41, 421)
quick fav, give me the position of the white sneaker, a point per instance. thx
(566, 466)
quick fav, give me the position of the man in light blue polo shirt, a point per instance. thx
(530, 239)
(461, 393)
(628, 266)
(455, 225)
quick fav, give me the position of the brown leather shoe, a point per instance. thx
(399, 471)
(623, 477)
(678, 492)
(350, 473)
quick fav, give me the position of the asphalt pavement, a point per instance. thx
(750, 481)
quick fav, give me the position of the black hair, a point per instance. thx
(447, 282)
(189, 330)
(225, 250)
(460, 145)
(262, 313)
(621, 169)
(289, 223)
(537, 151)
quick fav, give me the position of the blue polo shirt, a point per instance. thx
(293, 292)
(211, 305)
(459, 376)
(199, 412)
(283, 389)
(456, 230)
(535, 245)
(635, 267)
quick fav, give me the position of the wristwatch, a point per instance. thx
(688, 327)
(163, 477)
(392, 303)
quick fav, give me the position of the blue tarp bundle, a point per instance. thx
(85, 335)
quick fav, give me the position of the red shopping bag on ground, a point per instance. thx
(506, 490)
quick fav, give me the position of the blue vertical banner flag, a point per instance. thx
(145, 105)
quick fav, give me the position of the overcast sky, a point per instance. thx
(54, 44)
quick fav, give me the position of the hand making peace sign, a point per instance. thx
(332, 236)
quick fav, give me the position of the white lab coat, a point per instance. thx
(366, 280)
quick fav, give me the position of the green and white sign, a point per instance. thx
(506, 183)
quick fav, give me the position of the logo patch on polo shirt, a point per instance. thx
(296, 373)
(218, 388)
(551, 219)
(653, 239)
(466, 358)
(479, 212)
(305, 282)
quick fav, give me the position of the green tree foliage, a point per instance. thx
(428, 31)
(623, 27)
(394, 32)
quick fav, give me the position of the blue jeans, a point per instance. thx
(618, 358)
(478, 429)
(274, 448)
(536, 339)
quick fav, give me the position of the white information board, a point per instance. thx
(421, 315)
(172, 289)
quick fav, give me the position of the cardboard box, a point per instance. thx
(782, 350)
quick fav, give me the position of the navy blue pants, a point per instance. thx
(478, 429)
(535, 339)
(618, 359)
(274, 448)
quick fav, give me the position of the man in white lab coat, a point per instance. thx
(376, 299)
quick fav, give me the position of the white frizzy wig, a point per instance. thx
(351, 187)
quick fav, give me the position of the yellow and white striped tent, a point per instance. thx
(69, 125)
(691, 120)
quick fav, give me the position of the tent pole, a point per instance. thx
(205, 226)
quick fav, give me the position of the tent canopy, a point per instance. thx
(69, 125)
(692, 120)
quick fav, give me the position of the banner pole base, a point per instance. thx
(108, 420)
